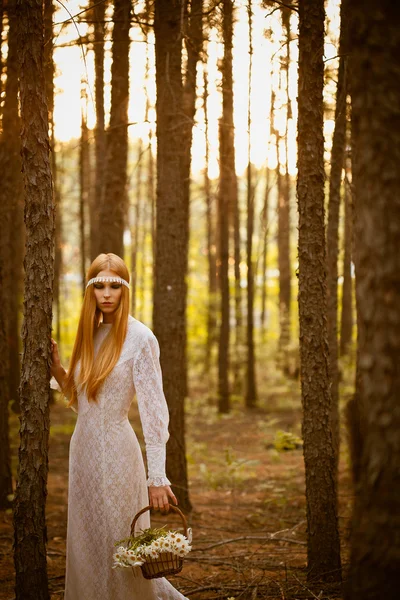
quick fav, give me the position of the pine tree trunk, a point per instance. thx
(98, 11)
(346, 328)
(114, 207)
(170, 265)
(194, 42)
(12, 196)
(135, 230)
(265, 221)
(211, 242)
(251, 392)
(84, 174)
(9, 167)
(227, 204)
(332, 237)
(49, 70)
(285, 295)
(29, 512)
(375, 74)
(323, 547)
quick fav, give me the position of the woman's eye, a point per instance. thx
(98, 286)
(116, 286)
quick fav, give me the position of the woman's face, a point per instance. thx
(108, 295)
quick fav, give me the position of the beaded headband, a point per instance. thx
(107, 280)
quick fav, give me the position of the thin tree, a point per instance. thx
(49, 76)
(251, 391)
(211, 242)
(285, 295)
(374, 40)
(113, 209)
(265, 219)
(9, 164)
(135, 229)
(332, 236)
(193, 43)
(12, 196)
(323, 547)
(227, 204)
(98, 9)
(29, 511)
(84, 186)
(346, 321)
(170, 264)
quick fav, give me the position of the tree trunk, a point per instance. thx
(211, 242)
(114, 206)
(10, 168)
(227, 204)
(1, 53)
(332, 238)
(135, 230)
(251, 392)
(375, 72)
(194, 42)
(98, 11)
(265, 221)
(49, 71)
(84, 175)
(12, 196)
(29, 512)
(285, 295)
(323, 547)
(171, 265)
(346, 328)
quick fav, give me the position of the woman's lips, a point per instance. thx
(107, 304)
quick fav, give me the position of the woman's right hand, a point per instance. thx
(55, 357)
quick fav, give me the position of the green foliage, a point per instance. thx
(284, 441)
(145, 538)
(230, 473)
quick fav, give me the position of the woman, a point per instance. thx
(114, 355)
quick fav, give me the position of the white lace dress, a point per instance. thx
(107, 481)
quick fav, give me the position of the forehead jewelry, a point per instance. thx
(107, 280)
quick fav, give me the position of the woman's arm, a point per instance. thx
(56, 369)
(154, 416)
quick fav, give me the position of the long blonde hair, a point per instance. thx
(93, 372)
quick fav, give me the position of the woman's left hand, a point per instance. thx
(159, 497)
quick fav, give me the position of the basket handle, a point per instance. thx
(174, 508)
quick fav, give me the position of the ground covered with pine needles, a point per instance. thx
(247, 488)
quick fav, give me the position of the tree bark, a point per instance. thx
(194, 42)
(170, 265)
(49, 70)
(323, 547)
(227, 205)
(84, 178)
(346, 328)
(332, 237)
(114, 205)
(29, 512)
(135, 230)
(285, 295)
(12, 196)
(265, 222)
(211, 242)
(99, 9)
(375, 90)
(10, 167)
(251, 391)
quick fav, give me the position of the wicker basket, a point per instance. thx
(167, 563)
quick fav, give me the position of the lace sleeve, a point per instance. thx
(153, 409)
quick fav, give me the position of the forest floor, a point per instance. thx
(248, 519)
